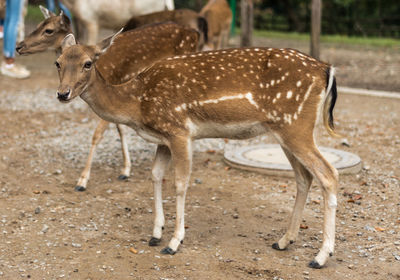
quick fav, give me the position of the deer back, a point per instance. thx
(184, 17)
(274, 87)
(135, 50)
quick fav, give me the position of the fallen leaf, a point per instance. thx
(317, 201)
(363, 183)
(210, 151)
(379, 229)
(133, 250)
(303, 226)
(36, 192)
(357, 197)
(227, 168)
(283, 186)
(350, 200)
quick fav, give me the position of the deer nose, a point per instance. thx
(19, 47)
(63, 96)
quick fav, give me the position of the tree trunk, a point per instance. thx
(246, 37)
(316, 12)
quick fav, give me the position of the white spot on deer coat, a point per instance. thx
(289, 94)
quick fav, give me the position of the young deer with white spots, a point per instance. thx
(184, 17)
(235, 93)
(132, 52)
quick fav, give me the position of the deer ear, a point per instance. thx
(46, 13)
(103, 46)
(65, 21)
(67, 42)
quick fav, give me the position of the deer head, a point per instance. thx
(48, 34)
(75, 65)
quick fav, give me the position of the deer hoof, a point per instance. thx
(122, 177)
(154, 241)
(314, 264)
(80, 188)
(168, 251)
(276, 247)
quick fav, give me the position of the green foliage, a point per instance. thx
(333, 39)
(34, 14)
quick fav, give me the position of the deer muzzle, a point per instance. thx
(64, 96)
(20, 47)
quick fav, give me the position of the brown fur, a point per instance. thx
(184, 17)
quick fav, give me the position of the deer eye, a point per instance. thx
(88, 65)
(49, 31)
(57, 65)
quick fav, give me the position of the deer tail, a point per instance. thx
(329, 103)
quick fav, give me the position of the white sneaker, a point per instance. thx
(1, 34)
(14, 71)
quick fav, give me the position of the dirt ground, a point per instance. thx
(49, 231)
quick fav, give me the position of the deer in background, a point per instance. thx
(131, 53)
(184, 17)
(233, 93)
(93, 14)
(219, 18)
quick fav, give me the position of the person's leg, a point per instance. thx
(13, 15)
(1, 28)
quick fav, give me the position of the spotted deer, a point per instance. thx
(234, 93)
(219, 19)
(132, 52)
(184, 17)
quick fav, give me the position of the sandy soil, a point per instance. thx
(49, 231)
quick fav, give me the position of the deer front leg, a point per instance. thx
(97, 136)
(126, 170)
(181, 150)
(303, 180)
(162, 159)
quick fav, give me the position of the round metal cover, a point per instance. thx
(270, 159)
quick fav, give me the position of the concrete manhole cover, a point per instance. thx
(270, 159)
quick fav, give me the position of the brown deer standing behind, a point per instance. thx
(184, 17)
(219, 19)
(131, 53)
(234, 93)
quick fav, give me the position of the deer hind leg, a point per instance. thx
(92, 29)
(225, 37)
(309, 155)
(303, 181)
(97, 136)
(181, 149)
(126, 170)
(161, 161)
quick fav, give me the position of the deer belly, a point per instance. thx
(231, 131)
(150, 136)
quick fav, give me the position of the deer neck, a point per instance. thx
(114, 103)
